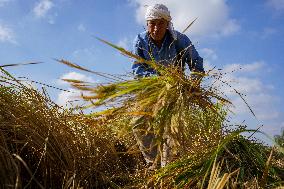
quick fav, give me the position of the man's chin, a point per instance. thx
(157, 38)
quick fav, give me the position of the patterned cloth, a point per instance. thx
(160, 11)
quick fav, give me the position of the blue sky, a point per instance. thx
(228, 34)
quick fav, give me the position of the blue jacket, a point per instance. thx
(145, 48)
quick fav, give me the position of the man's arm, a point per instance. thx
(140, 69)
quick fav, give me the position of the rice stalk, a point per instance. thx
(189, 110)
(54, 147)
(172, 101)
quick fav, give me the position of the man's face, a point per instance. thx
(157, 28)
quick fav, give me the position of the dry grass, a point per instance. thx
(44, 146)
(187, 110)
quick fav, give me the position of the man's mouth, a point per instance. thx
(156, 34)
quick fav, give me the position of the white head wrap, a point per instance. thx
(160, 11)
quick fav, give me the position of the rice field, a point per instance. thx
(43, 145)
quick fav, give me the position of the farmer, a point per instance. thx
(165, 45)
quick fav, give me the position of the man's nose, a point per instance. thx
(156, 27)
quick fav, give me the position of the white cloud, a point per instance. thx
(75, 76)
(257, 94)
(276, 4)
(253, 67)
(42, 7)
(124, 43)
(262, 104)
(231, 26)
(213, 16)
(209, 54)
(7, 35)
(71, 97)
(245, 78)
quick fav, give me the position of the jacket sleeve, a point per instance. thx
(140, 69)
(190, 55)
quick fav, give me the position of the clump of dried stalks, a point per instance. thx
(44, 146)
(188, 110)
(173, 104)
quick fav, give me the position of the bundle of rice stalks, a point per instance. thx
(183, 108)
(44, 146)
(171, 104)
